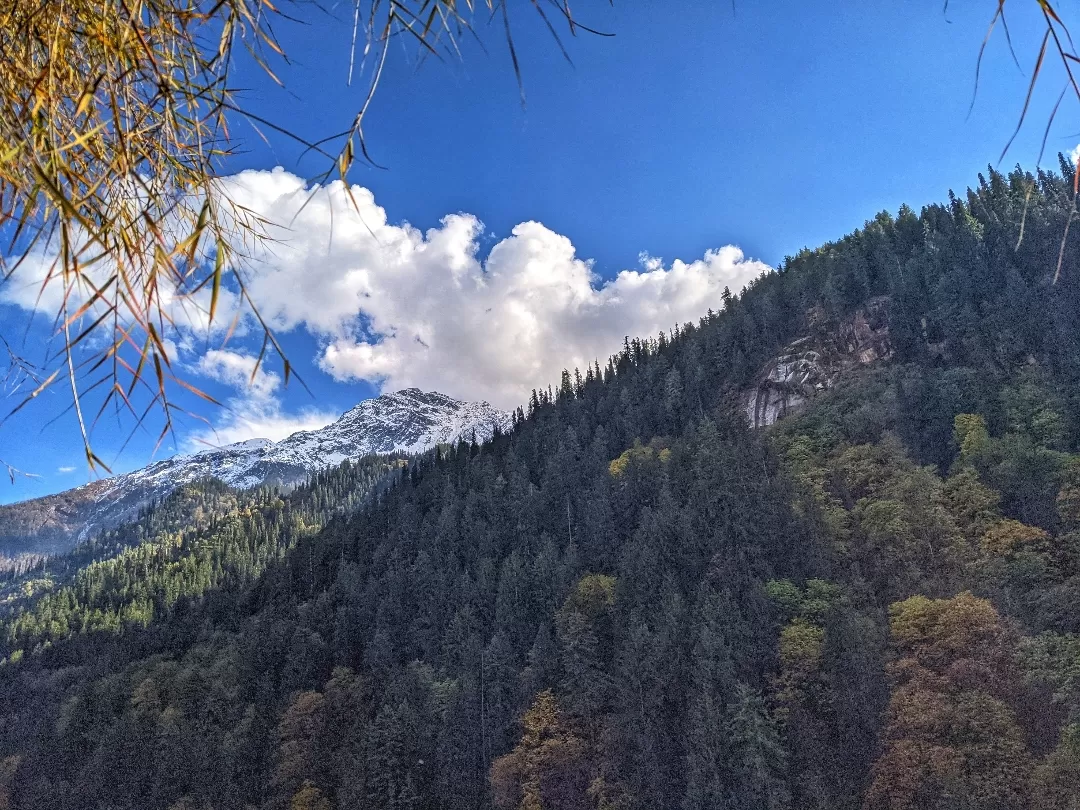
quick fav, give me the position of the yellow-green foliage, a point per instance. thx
(813, 499)
(549, 754)
(909, 540)
(801, 646)
(969, 431)
(819, 597)
(802, 639)
(810, 603)
(28, 589)
(1009, 536)
(973, 504)
(949, 729)
(309, 797)
(785, 594)
(593, 594)
(937, 631)
(655, 450)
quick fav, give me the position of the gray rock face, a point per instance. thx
(404, 422)
(787, 383)
(812, 364)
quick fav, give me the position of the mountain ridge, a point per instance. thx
(405, 422)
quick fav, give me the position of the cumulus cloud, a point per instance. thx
(257, 419)
(255, 412)
(400, 307)
(239, 371)
(37, 284)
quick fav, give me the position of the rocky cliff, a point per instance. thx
(813, 363)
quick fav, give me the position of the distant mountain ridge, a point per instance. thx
(404, 422)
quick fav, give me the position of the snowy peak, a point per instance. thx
(237, 447)
(411, 397)
(408, 421)
(411, 421)
(403, 422)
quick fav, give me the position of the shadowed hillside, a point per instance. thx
(635, 599)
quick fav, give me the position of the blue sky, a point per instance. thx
(769, 127)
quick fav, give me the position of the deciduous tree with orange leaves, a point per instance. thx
(951, 738)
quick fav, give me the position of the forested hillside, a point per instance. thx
(202, 538)
(634, 600)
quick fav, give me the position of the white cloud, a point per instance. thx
(404, 308)
(37, 285)
(65, 470)
(398, 307)
(1074, 155)
(255, 412)
(258, 419)
(239, 371)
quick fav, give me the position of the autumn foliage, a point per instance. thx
(950, 734)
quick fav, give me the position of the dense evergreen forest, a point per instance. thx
(633, 600)
(202, 538)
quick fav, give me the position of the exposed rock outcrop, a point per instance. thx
(812, 364)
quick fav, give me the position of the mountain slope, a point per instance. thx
(200, 537)
(404, 422)
(635, 600)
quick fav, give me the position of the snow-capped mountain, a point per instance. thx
(408, 421)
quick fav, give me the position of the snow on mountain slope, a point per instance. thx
(408, 421)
